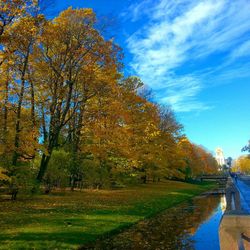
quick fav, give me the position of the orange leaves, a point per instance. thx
(86, 14)
(12, 7)
(9, 10)
(151, 131)
(198, 160)
(64, 81)
(242, 165)
(3, 176)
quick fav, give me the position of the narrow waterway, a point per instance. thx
(191, 225)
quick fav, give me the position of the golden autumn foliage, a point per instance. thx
(242, 165)
(197, 160)
(3, 175)
(63, 94)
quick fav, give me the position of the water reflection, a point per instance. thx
(223, 203)
(192, 225)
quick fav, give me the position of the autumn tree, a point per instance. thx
(70, 50)
(63, 98)
(9, 10)
(197, 160)
(242, 164)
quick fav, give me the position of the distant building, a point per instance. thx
(229, 162)
(219, 156)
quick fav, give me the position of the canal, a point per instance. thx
(191, 225)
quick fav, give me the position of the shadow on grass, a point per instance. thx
(72, 237)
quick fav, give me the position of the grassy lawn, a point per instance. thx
(68, 220)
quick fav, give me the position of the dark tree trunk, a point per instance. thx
(33, 116)
(18, 122)
(6, 100)
(19, 108)
(5, 117)
(43, 167)
(73, 182)
(57, 121)
(144, 179)
(45, 134)
(14, 194)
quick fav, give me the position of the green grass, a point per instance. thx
(68, 220)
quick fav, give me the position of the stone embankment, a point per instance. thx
(235, 224)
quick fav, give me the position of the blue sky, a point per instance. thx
(194, 55)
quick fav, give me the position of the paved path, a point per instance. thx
(235, 225)
(243, 186)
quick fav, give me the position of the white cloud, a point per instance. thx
(181, 92)
(137, 10)
(242, 51)
(181, 32)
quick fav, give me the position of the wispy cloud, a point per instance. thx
(179, 36)
(181, 93)
(242, 51)
(137, 10)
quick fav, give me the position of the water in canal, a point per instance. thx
(191, 225)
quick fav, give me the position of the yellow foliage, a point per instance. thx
(3, 176)
(243, 164)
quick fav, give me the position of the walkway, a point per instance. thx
(243, 185)
(235, 224)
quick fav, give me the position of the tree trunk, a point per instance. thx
(43, 167)
(14, 194)
(144, 179)
(6, 100)
(45, 134)
(33, 116)
(5, 117)
(18, 122)
(73, 181)
(19, 108)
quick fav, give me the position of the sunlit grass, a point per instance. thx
(68, 220)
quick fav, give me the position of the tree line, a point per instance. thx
(69, 116)
(242, 163)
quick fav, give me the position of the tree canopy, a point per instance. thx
(67, 110)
